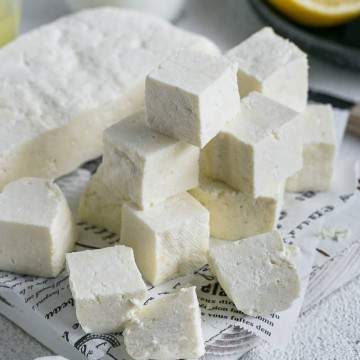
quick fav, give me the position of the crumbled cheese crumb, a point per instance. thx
(334, 233)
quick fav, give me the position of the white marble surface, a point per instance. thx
(330, 330)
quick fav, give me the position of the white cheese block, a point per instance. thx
(256, 150)
(145, 166)
(319, 151)
(36, 227)
(64, 83)
(190, 96)
(274, 66)
(100, 205)
(107, 287)
(258, 273)
(169, 239)
(167, 329)
(235, 215)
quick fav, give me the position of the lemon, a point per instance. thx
(9, 21)
(319, 13)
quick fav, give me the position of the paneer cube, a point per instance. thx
(235, 215)
(36, 227)
(169, 239)
(190, 96)
(318, 153)
(273, 66)
(144, 166)
(107, 287)
(100, 205)
(258, 149)
(167, 329)
(258, 273)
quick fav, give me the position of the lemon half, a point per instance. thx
(319, 13)
(9, 21)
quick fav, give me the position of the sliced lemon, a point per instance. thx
(9, 21)
(319, 12)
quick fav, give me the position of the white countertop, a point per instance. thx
(227, 23)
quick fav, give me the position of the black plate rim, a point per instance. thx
(326, 49)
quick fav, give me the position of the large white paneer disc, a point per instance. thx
(190, 96)
(36, 227)
(235, 215)
(107, 287)
(319, 151)
(169, 239)
(100, 205)
(274, 66)
(167, 329)
(258, 149)
(145, 166)
(257, 273)
(61, 85)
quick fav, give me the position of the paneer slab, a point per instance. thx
(319, 151)
(169, 239)
(190, 96)
(273, 66)
(167, 329)
(235, 215)
(36, 228)
(64, 83)
(145, 166)
(107, 287)
(100, 205)
(256, 150)
(258, 273)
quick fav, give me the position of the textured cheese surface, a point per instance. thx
(36, 226)
(260, 118)
(190, 96)
(191, 71)
(147, 167)
(164, 215)
(133, 137)
(67, 81)
(31, 201)
(257, 273)
(263, 53)
(167, 329)
(274, 66)
(110, 289)
(169, 239)
(319, 151)
(235, 215)
(100, 205)
(318, 123)
(256, 150)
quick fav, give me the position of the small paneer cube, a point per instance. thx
(256, 150)
(100, 205)
(169, 239)
(36, 228)
(167, 329)
(190, 97)
(107, 287)
(258, 273)
(273, 66)
(318, 153)
(235, 215)
(144, 166)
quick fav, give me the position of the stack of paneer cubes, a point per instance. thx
(220, 140)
